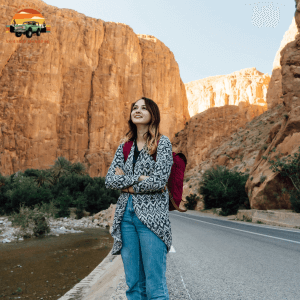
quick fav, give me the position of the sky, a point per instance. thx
(207, 38)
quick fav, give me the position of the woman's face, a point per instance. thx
(140, 109)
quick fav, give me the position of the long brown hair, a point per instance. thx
(153, 134)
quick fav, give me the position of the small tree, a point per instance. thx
(63, 202)
(289, 167)
(224, 188)
(191, 201)
(81, 204)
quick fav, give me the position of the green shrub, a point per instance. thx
(224, 188)
(295, 200)
(66, 184)
(80, 204)
(289, 167)
(41, 226)
(97, 196)
(31, 222)
(262, 178)
(48, 209)
(63, 202)
(24, 190)
(191, 201)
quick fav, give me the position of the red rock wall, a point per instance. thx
(247, 87)
(207, 131)
(284, 138)
(208, 140)
(72, 97)
(274, 95)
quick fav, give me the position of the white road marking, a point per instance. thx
(172, 249)
(242, 230)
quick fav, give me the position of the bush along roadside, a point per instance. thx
(66, 184)
(191, 201)
(224, 188)
(29, 198)
(289, 166)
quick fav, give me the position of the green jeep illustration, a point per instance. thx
(28, 27)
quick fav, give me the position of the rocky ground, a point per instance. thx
(9, 233)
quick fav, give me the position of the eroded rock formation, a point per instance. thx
(247, 86)
(207, 131)
(72, 97)
(274, 95)
(283, 139)
(264, 187)
(249, 149)
(222, 136)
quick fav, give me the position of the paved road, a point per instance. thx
(216, 258)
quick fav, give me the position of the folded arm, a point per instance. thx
(117, 182)
(162, 169)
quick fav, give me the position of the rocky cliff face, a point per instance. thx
(290, 56)
(72, 97)
(248, 87)
(264, 187)
(207, 131)
(274, 95)
(284, 137)
(247, 146)
(240, 148)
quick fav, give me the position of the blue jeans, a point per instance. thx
(144, 258)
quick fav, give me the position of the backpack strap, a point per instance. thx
(126, 149)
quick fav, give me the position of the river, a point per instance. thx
(48, 267)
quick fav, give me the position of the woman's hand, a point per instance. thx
(129, 190)
(119, 171)
(143, 177)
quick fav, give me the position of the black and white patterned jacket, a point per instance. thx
(151, 206)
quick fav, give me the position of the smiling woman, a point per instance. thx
(139, 240)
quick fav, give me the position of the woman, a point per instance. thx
(141, 227)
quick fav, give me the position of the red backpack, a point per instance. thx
(175, 182)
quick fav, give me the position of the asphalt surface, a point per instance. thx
(212, 257)
(216, 258)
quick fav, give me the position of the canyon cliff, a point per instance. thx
(284, 139)
(223, 136)
(248, 87)
(71, 97)
(274, 95)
